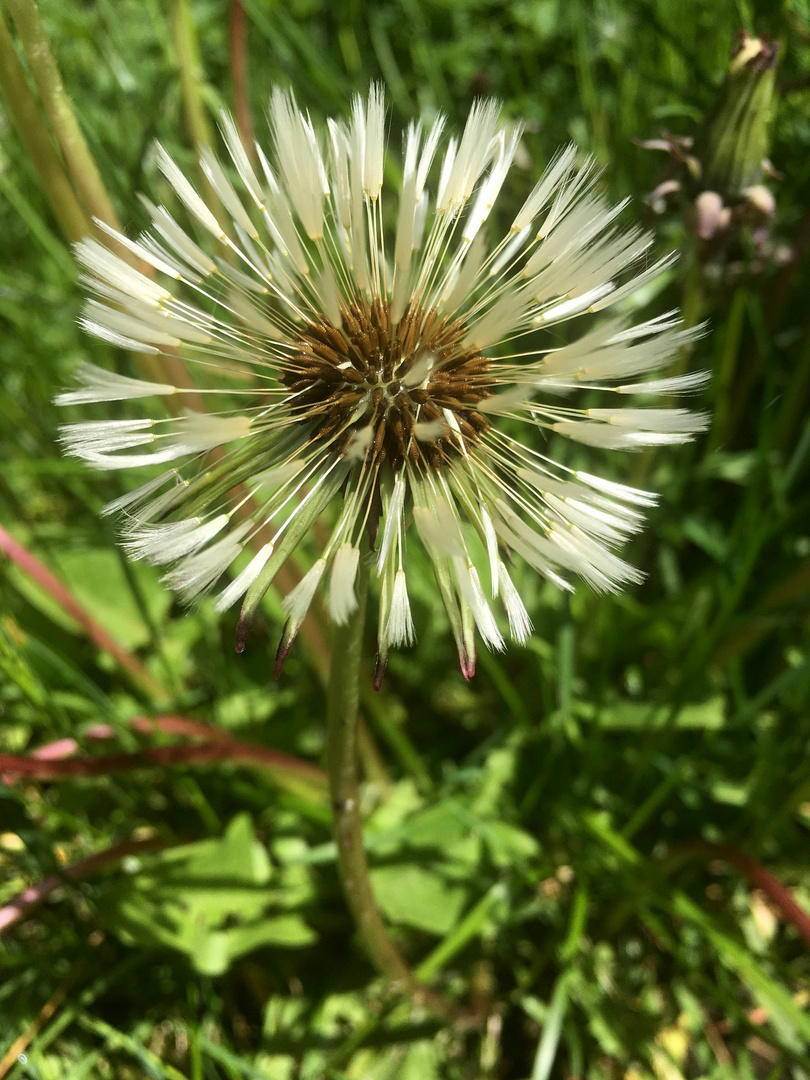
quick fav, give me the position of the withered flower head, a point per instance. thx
(380, 380)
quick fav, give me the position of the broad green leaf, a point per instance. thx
(707, 715)
(97, 579)
(507, 844)
(414, 896)
(439, 826)
(213, 900)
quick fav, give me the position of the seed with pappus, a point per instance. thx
(396, 383)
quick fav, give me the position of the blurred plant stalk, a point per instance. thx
(715, 180)
(54, 142)
(343, 695)
(71, 216)
(59, 152)
(79, 161)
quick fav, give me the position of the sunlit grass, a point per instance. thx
(540, 837)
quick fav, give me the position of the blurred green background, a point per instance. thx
(541, 839)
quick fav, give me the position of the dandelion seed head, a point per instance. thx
(379, 363)
(356, 379)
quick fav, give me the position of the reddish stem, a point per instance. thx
(239, 75)
(171, 725)
(31, 566)
(13, 765)
(50, 763)
(29, 898)
(779, 895)
(183, 725)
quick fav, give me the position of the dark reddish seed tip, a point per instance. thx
(284, 647)
(379, 671)
(242, 631)
(467, 664)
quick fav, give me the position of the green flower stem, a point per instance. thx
(25, 113)
(190, 72)
(341, 754)
(79, 161)
(726, 378)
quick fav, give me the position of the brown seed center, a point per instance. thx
(393, 393)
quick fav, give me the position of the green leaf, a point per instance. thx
(213, 900)
(96, 578)
(414, 896)
(421, 1062)
(792, 1022)
(507, 844)
(438, 826)
(706, 715)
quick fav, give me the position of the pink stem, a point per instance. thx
(29, 898)
(13, 765)
(239, 75)
(50, 763)
(779, 895)
(31, 566)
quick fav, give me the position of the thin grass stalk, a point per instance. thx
(78, 159)
(189, 69)
(190, 73)
(15, 1054)
(35, 137)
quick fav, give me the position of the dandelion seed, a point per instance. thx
(381, 377)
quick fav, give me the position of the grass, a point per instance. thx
(565, 845)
